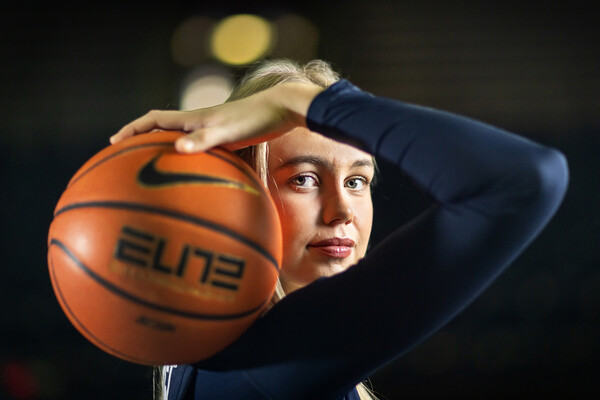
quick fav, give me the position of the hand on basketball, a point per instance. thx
(254, 119)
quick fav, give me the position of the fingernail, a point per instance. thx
(186, 145)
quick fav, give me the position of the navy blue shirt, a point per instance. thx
(493, 193)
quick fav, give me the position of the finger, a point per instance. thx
(186, 145)
(197, 141)
(146, 123)
(156, 119)
(206, 138)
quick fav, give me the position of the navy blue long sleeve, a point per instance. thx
(493, 192)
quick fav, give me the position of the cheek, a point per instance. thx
(364, 221)
(295, 220)
(295, 214)
(368, 217)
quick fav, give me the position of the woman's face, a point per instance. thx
(322, 191)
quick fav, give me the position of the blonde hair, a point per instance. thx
(262, 76)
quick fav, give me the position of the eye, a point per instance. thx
(357, 183)
(304, 181)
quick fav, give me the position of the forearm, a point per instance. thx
(454, 158)
(293, 100)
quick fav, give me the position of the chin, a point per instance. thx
(331, 269)
(306, 273)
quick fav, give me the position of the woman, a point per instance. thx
(345, 315)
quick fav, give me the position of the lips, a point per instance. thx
(333, 247)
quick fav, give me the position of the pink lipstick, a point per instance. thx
(334, 247)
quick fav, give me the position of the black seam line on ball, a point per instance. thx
(115, 154)
(120, 292)
(176, 215)
(94, 339)
(230, 162)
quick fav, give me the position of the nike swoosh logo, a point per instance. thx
(151, 177)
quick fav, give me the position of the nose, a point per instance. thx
(337, 208)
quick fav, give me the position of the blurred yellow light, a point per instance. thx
(241, 39)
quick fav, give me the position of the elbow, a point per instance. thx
(553, 176)
(546, 178)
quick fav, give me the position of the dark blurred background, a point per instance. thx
(72, 76)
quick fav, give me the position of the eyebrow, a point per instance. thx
(322, 162)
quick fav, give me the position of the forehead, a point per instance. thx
(301, 142)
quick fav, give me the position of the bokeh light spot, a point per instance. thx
(241, 39)
(18, 380)
(297, 37)
(205, 87)
(189, 42)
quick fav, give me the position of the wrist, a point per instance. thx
(295, 99)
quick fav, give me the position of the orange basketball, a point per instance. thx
(163, 258)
